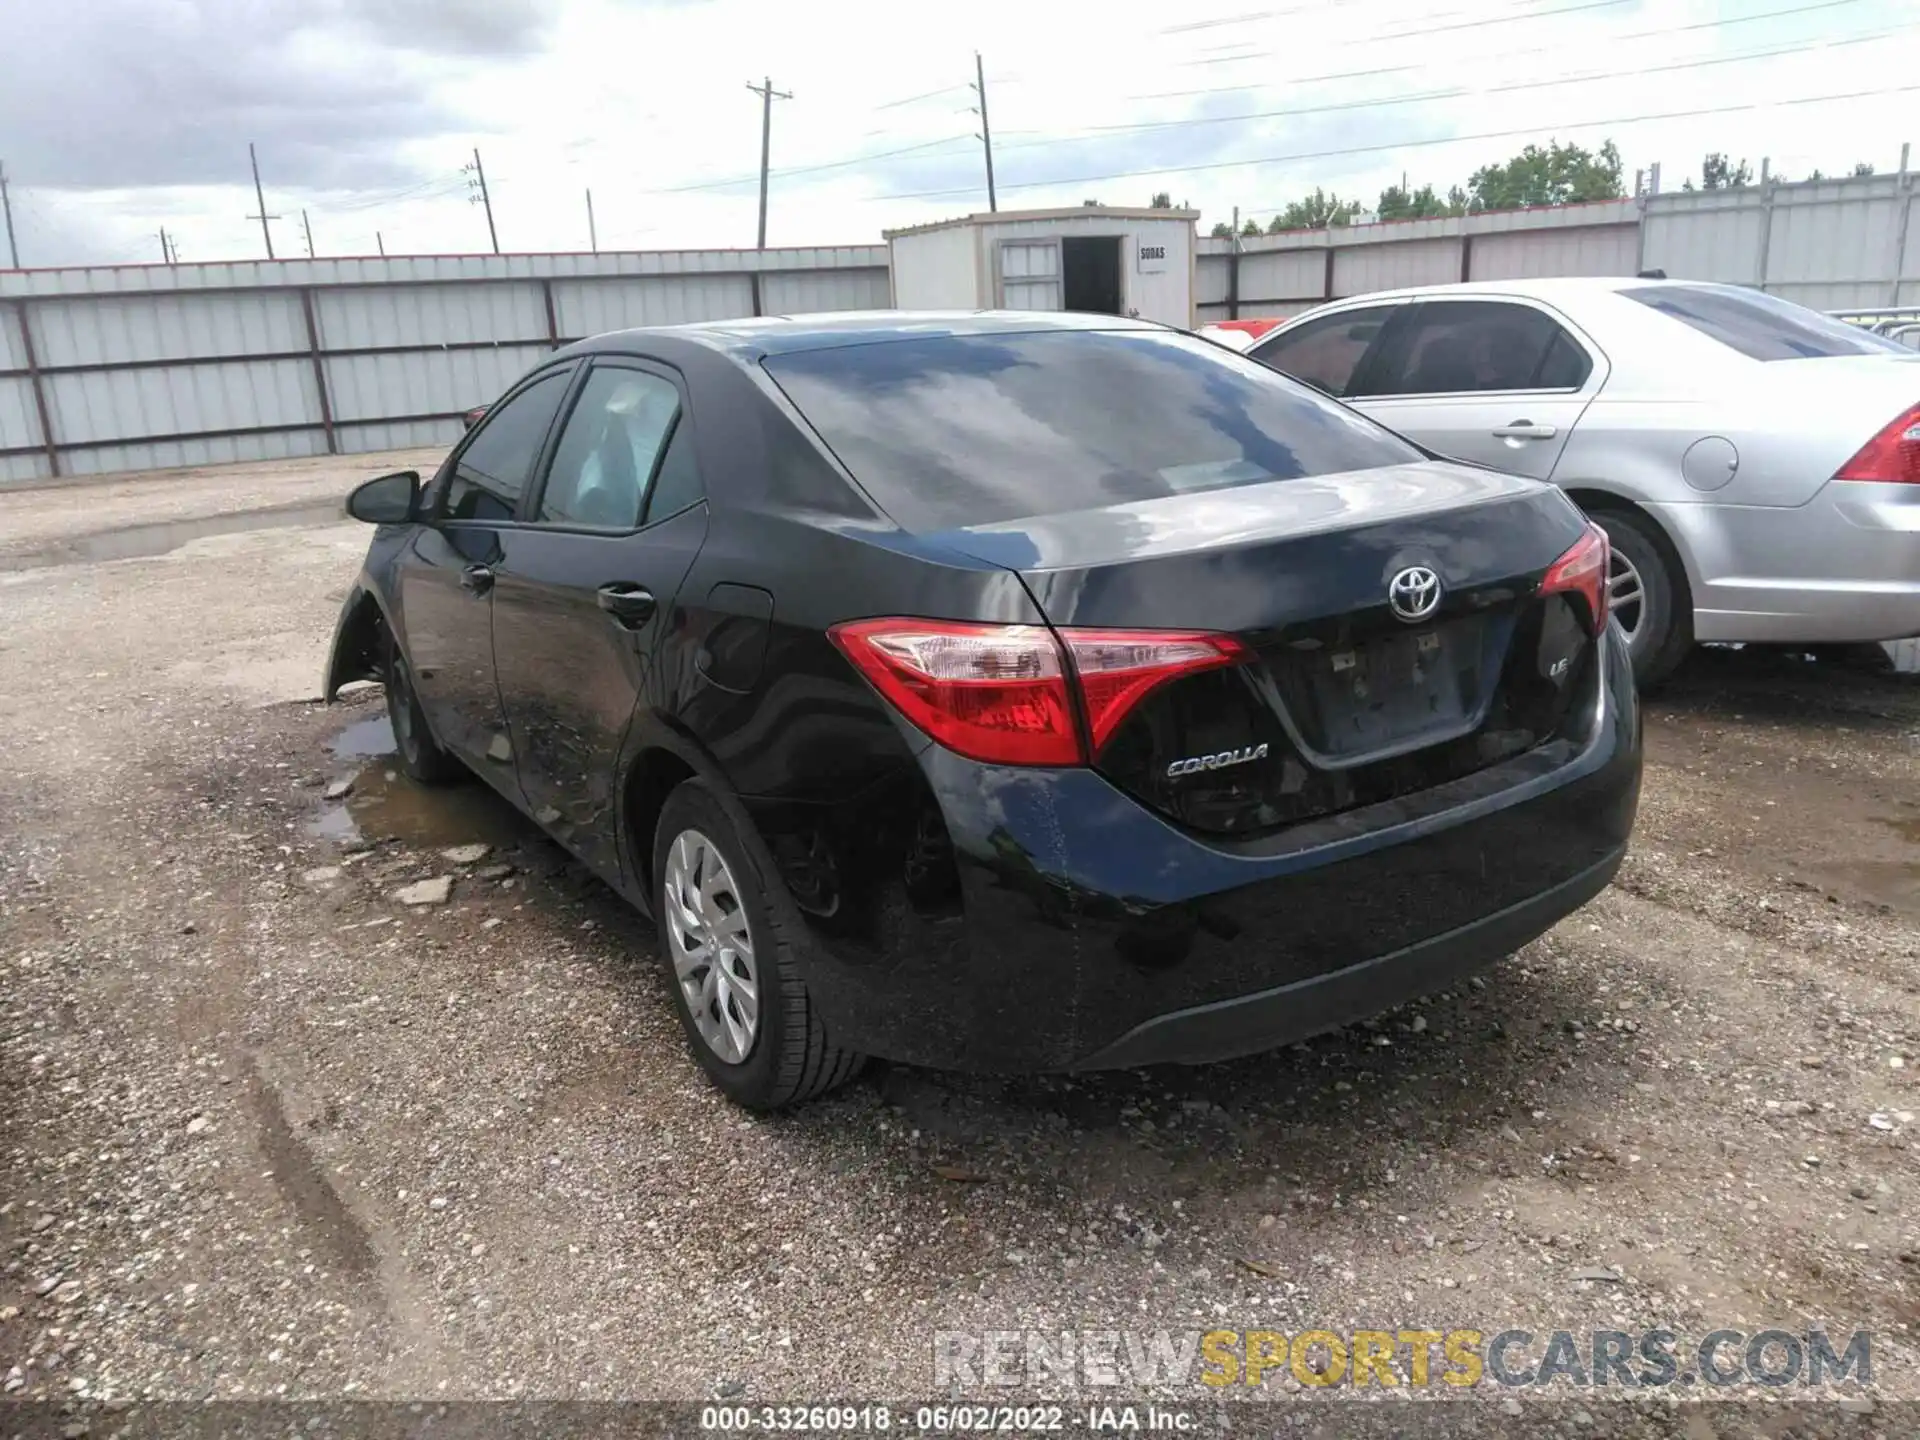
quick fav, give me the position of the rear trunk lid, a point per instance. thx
(1341, 700)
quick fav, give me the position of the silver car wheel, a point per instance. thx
(712, 946)
(1626, 594)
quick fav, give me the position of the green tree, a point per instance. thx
(1222, 230)
(1557, 175)
(1421, 204)
(1162, 200)
(1250, 227)
(1865, 167)
(1315, 212)
(1717, 174)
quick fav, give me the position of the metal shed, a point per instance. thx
(1096, 258)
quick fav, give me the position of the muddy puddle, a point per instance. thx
(136, 542)
(385, 805)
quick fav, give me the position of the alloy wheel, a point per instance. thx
(712, 946)
(1626, 594)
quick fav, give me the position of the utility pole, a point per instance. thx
(380, 241)
(985, 137)
(593, 235)
(6, 204)
(307, 225)
(478, 182)
(767, 95)
(169, 248)
(260, 199)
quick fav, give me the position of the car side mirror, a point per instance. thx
(390, 500)
(473, 417)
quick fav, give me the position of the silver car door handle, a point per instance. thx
(1525, 430)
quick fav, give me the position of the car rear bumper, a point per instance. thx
(1082, 930)
(1844, 567)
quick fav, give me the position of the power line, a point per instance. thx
(811, 169)
(1487, 59)
(1454, 94)
(1068, 180)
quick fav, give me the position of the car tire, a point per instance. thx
(420, 754)
(1647, 592)
(714, 882)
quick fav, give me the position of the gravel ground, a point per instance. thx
(267, 1132)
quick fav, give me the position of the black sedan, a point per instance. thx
(1005, 692)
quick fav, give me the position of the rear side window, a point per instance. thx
(969, 430)
(609, 449)
(492, 472)
(1761, 327)
(1326, 352)
(1469, 347)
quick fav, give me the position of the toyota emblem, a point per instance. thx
(1414, 593)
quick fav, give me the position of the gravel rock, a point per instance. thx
(466, 854)
(337, 790)
(436, 891)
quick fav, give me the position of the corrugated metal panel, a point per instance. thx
(400, 269)
(166, 327)
(428, 315)
(824, 290)
(1364, 268)
(1526, 254)
(371, 387)
(1281, 277)
(597, 306)
(1910, 261)
(128, 404)
(1709, 235)
(15, 468)
(19, 421)
(397, 435)
(13, 355)
(1839, 236)
(168, 455)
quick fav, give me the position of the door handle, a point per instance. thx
(630, 605)
(1525, 430)
(476, 579)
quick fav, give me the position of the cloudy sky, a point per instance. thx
(120, 116)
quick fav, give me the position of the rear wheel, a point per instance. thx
(1647, 595)
(731, 959)
(420, 754)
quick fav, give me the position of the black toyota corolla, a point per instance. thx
(1005, 692)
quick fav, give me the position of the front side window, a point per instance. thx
(492, 472)
(610, 449)
(974, 429)
(1759, 326)
(1326, 353)
(1457, 347)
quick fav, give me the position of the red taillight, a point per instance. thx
(1583, 571)
(1000, 692)
(1891, 456)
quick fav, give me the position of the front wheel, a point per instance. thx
(1647, 596)
(731, 959)
(420, 754)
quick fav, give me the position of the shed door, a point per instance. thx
(1030, 275)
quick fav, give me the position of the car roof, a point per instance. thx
(790, 334)
(1553, 287)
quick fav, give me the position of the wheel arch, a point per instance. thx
(358, 641)
(659, 757)
(1595, 501)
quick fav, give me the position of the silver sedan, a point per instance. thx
(1755, 464)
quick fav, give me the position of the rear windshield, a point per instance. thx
(1762, 327)
(969, 430)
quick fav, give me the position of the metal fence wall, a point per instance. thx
(139, 367)
(143, 366)
(1851, 243)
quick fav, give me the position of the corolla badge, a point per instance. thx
(1414, 593)
(1220, 761)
